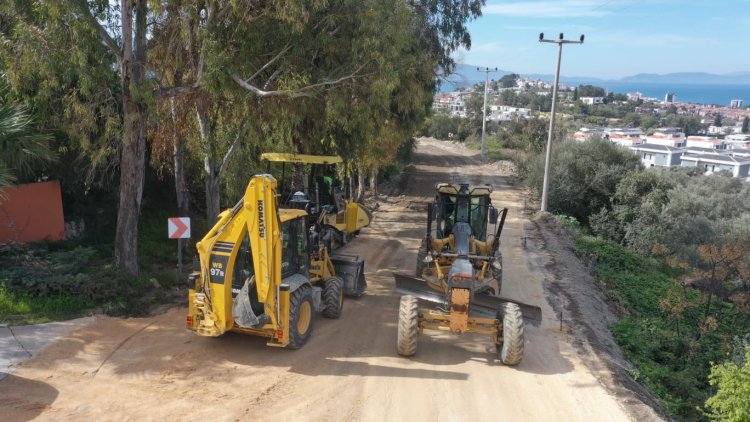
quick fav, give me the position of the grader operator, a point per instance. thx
(264, 271)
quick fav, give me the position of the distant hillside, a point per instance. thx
(467, 75)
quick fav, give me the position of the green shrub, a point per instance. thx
(38, 272)
(732, 399)
(662, 330)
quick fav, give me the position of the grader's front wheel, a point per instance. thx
(510, 351)
(408, 326)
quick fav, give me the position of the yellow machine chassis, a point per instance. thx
(435, 320)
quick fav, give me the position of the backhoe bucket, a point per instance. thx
(352, 270)
(483, 304)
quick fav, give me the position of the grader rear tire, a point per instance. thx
(408, 326)
(333, 297)
(510, 351)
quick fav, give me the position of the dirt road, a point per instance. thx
(154, 369)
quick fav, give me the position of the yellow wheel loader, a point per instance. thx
(457, 265)
(323, 196)
(264, 271)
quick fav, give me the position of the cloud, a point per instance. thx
(552, 9)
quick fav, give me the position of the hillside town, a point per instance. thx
(721, 143)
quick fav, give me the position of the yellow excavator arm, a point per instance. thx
(257, 216)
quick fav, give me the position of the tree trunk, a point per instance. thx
(213, 171)
(183, 204)
(350, 180)
(360, 183)
(374, 180)
(213, 195)
(132, 161)
(213, 198)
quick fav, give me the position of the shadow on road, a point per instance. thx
(23, 399)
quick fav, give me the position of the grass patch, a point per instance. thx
(48, 282)
(670, 333)
(18, 308)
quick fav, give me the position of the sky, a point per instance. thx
(623, 37)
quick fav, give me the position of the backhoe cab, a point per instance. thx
(264, 272)
(459, 268)
(322, 196)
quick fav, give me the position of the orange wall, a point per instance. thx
(35, 212)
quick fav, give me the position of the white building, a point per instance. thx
(634, 96)
(592, 100)
(668, 137)
(705, 142)
(737, 140)
(720, 130)
(507, 113)
(658, 155)
(735, 104)
(711, 163)
(586, 133)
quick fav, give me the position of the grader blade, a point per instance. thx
(482, 304)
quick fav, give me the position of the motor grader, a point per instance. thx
(264, 271)
(339, 219)
(459, 267)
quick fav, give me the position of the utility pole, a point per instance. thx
(548, 160)
(486, 71)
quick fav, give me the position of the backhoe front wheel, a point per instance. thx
(408, 326)
(301, 316)
(510, 346)
(333, 297)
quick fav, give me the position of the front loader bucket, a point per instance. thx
(482, 304)
(352, 270)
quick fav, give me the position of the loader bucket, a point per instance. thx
(352, 270)
(484, 305)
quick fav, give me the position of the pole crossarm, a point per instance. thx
(548, 156)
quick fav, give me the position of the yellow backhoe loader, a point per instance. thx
(339, 219)
(459, 268)
(264, 271)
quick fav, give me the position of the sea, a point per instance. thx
(719, 94)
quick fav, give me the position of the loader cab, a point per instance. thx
(294, 255)
(462, 203)
(319, 185)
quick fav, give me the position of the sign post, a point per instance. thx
(179, 228)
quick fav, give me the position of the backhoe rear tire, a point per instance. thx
(333, 297)
(300, 316)
(408, 326)
(421, 255)
(510, 351)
